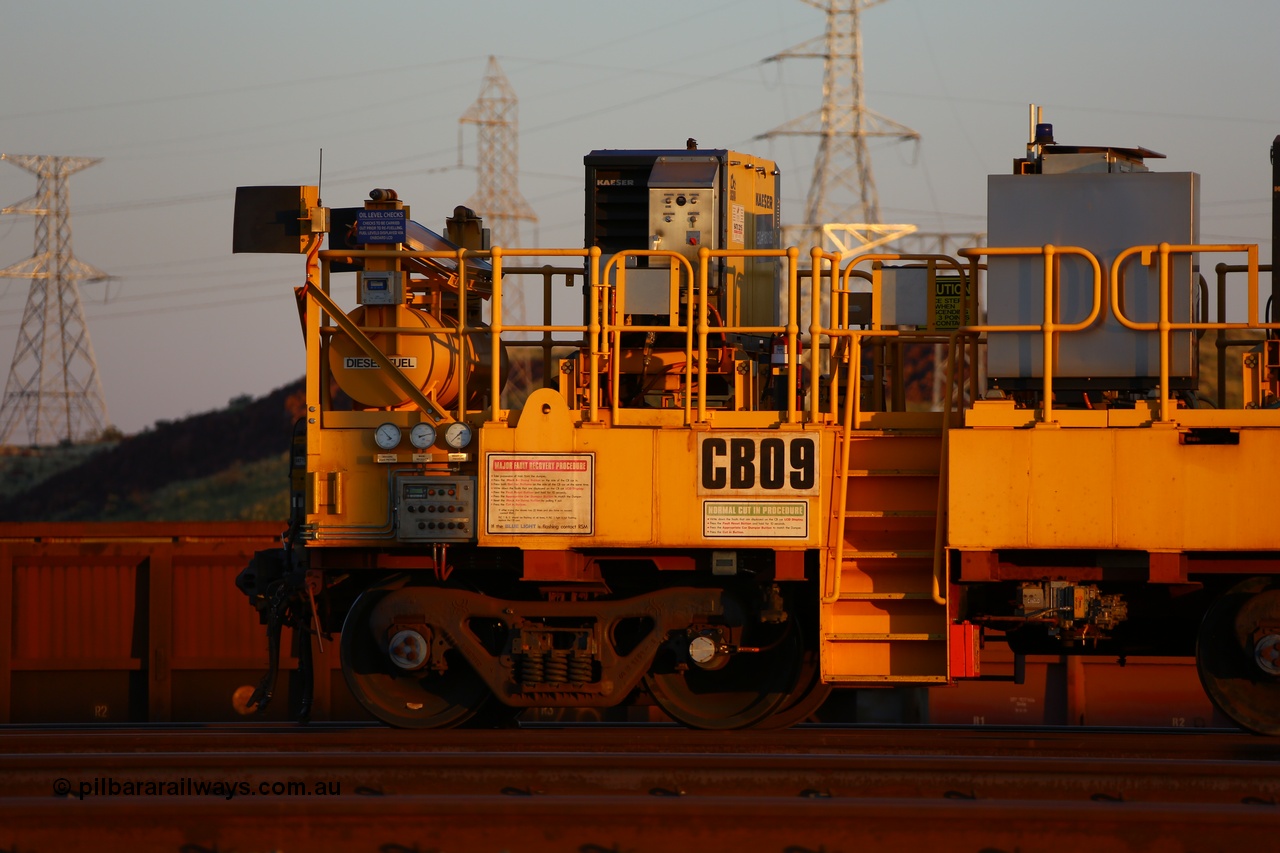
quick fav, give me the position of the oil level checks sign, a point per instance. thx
(948, 302)
(380, 226)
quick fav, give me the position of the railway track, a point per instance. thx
(633, 788)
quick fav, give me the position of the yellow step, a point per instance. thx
(891, 513)
(853, 556)
(885, 596)
(885, 679)
(842, 637)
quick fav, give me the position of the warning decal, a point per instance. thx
(947, 302)
(755, 519)
(540, 493)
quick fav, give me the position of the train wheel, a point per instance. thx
(805, 699)
(413, 699)
(742, 692)
(1238, 654)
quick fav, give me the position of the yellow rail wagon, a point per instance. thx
(709, 485)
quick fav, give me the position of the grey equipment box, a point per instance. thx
(1105, 213)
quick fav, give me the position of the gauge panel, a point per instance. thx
(387, 436)
(422, 436)
(457, 435)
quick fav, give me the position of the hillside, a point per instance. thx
(227, 464)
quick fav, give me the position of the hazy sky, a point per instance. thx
(184, 101)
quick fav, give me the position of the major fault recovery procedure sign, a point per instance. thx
(541, 493)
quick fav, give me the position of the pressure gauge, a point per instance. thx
(457, 435)
(422, 436)
(387, 436)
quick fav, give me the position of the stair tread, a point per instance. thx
(856, 636)
(885, 596)
(929, 679)
(885, 554)
(890, 513)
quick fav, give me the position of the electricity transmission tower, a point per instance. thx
(843, 124)
(497, 197)
(53, 387)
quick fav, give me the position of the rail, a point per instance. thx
(618, 790)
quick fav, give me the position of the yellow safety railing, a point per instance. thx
(546, 343)
(1049, 328)
(853, 394)
(1223, 344)
(460, 331)
(605, 323)
(497, 256)
(970, 332)
(615, 316)
(791, 330)
(1163, 325)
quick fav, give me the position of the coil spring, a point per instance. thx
(580, 666)
(531, 669)
(556, 665)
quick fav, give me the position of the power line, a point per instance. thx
(309, 82)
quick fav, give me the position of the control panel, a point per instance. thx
(682, 206)
(433, 509)
(383, 287)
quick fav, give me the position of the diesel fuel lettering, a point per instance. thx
(404, 362)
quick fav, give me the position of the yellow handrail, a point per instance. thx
(1163, 325)
(618, 263)
(842, 491)
(1223, 344)
(1049, 327)
(853, 404)
(939, 590)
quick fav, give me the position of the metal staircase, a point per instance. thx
(881, 618)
